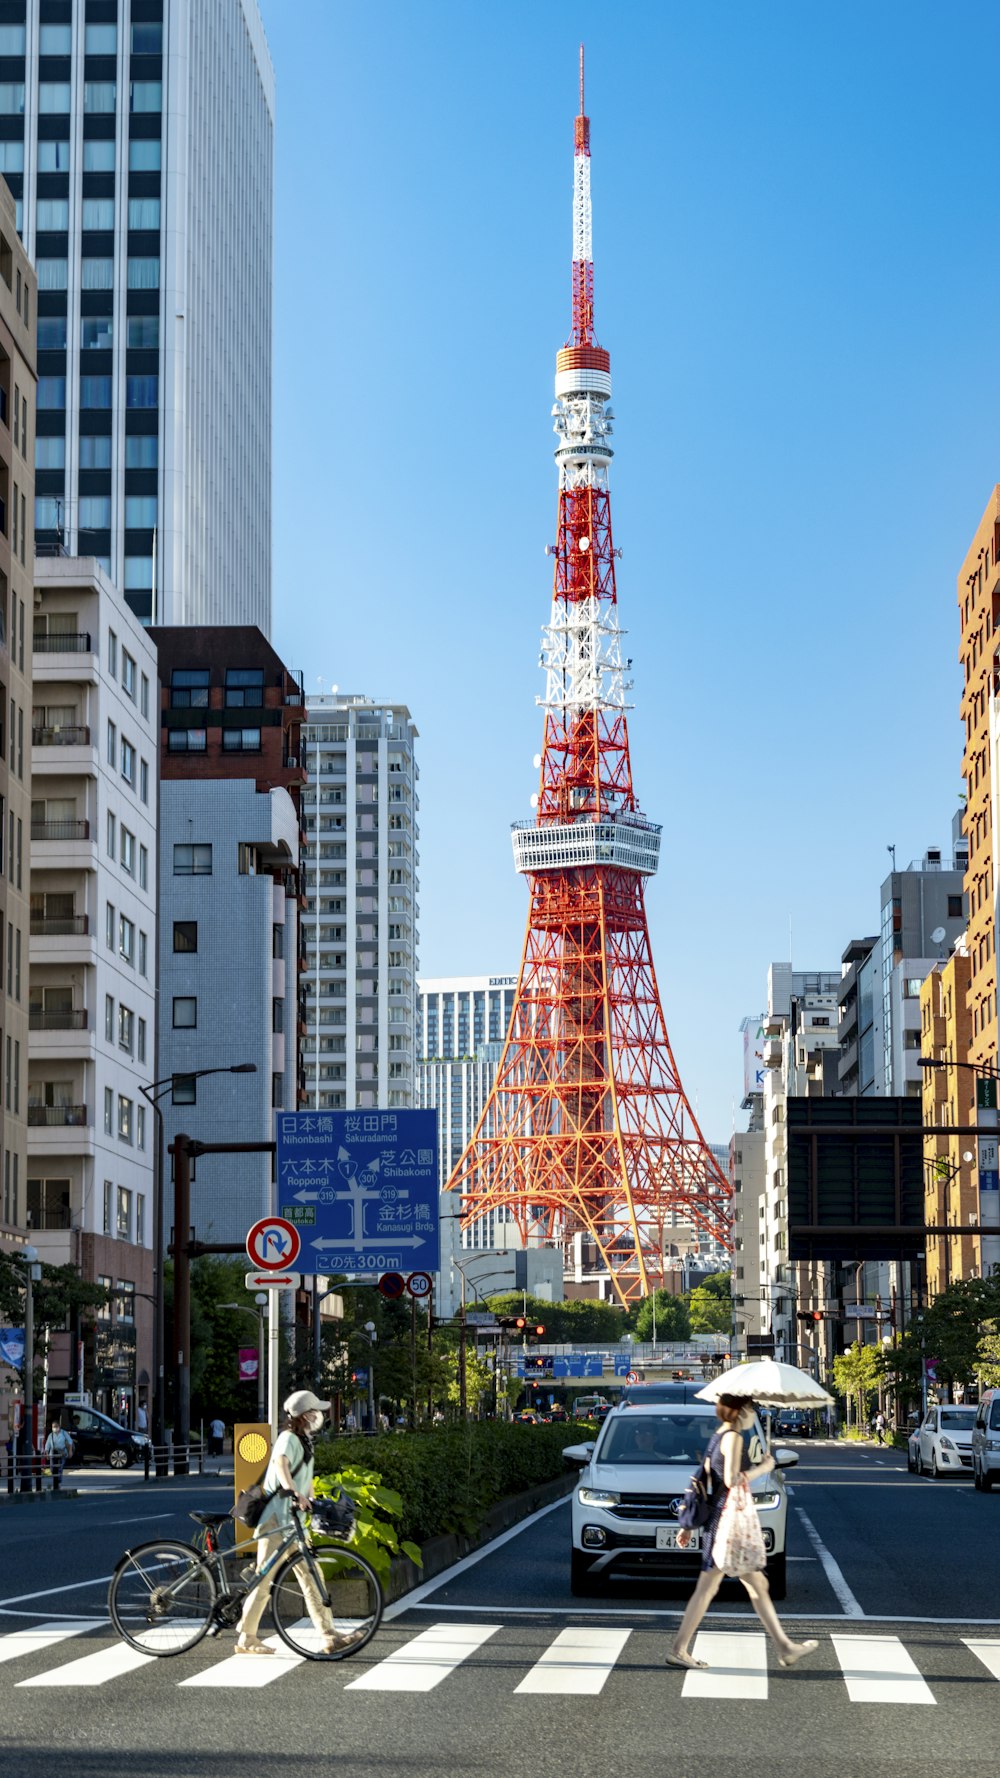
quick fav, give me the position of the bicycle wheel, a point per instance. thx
(161, 1597)
(326, 1605)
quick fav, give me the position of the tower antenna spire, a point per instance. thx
(582, 333)
(582, 105)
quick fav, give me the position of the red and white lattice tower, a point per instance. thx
(587, 1129)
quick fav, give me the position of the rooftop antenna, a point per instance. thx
(892, 854)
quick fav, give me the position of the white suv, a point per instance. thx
(986, 1441)
(632, 1481)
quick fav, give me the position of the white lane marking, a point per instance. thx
(577, 1662)
(421, 1664)
(878, 1670)
(98, 1580)
(248, 1672)
(747, 1616)
(95, 1669)
(987, 1650)
(831, 1569)
(26, 1642)
(420, 1593)
(737, 1665)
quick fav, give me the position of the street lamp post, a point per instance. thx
(153, 1093)
(463, 1396)
(32, 1273)
(258, 1314)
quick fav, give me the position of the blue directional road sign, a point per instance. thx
(579, 1364)
(361, 1187)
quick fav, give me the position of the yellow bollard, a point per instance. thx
(251, 1450)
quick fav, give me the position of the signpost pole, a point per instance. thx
(260, 1358)
(182, 1299)
(272, 1360)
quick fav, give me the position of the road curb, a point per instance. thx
(441, 1552)
(18, 1497)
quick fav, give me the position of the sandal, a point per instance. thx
(675, 1659)
(332, 1644)
(796, 1653)
(252, 1645)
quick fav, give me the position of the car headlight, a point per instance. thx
(993, 1444)
(597, 1497)
(765, 1502)
(946, 1444)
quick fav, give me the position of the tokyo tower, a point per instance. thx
(587, 1129)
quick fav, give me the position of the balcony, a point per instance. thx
(60, 830)
(67, 1020)
(69, 736)
(57, 1117)
(56, 926)
(56, 643)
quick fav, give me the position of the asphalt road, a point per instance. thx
(495, 1668)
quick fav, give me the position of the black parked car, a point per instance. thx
(97, 1437)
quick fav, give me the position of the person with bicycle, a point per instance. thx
(289, 1475)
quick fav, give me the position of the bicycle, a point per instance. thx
(165, 1595)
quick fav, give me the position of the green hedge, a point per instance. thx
(450, 1477)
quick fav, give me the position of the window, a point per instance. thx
(187, 740)
(109, 925)
(52, 333)
(189, 688)
(140, 1041)
(50, 453)
(143, 698)
(144, 156)
(143, 868)
(277, 941)
(277, 1015)
(193, 861)
(97, 274)
(125, 1110)
(11, 157)
(123, 1221)
(146, 95)
(111, 834)
(128, 675)
(98, 157)
(185, 1012)
(141, 449)
(11, 40)
(128, 762)
(112, 744)
(144, 274)
(109, 1018)
(185, 935)
(95, 451)
(139, 573)
(244, 688)
(140, 1208)
(98, 96)
(53, 96)
(108, 1197)
(140, 1126)
(277, 1091)
(95, 509)
(126, 939)
(128, 851)
(144, 213)
(95, 392)
(126, 1029)
(96, 333)
(109, 1112)
(954, 907)
(142, 953)
(140, 511)
(241, 740)
(144, 772)
(184, 1090)
(51, 390)
(98, 213)
(53, 213)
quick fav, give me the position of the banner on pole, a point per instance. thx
(248, 1364)
(12, 1347)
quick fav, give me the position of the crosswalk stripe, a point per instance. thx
(27, 1642)
(878, 1670)
(248, 1672)
(422, 1664)
(987, 1650)
(737, 1665)
(577, 1662)
(95, 1669)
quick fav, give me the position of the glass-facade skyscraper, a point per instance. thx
(137, 139)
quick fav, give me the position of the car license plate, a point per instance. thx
(666, 1538)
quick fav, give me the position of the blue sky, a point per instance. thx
(797, 276)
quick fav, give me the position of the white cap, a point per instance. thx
(305, 1402)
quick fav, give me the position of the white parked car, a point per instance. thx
(986, 1442)
(632, 1481)
(942, 1443)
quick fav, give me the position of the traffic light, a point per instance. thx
(537, 1331)
(809, 1315)
(520, 1323)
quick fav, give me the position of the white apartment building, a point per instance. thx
(93, 960)
(137, 137)
(800, 1029)
(359, 923)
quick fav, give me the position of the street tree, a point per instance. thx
(711, 1311)
(856, 1375)
(673, 1322)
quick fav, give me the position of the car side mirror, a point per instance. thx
(784, 1458)
(578, 1454)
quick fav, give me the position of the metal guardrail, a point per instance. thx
(56, 643)
(26, 1471)
(69, 1020)
(60, 830)
(59, 926)
(55, 1117)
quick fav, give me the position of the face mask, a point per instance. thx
(315, 1419)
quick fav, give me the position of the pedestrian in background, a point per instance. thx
(58, 1449)
(728, 1459)
(141, 1418)
(216, 1437)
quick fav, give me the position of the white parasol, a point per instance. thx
(771, 1384)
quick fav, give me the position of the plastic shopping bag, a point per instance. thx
(738, 1544)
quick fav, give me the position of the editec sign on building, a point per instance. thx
(361, 1189)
